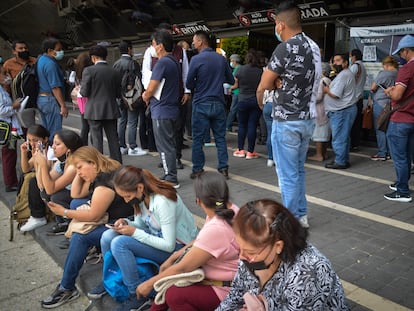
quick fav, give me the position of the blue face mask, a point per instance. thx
(59, 55)
(350, 61)
(278, 37)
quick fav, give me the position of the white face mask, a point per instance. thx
(153, 52)
(7, 80)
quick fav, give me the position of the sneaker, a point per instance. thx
(133, 303)
(137, 151)
(58, 229)
(33, 223)
(194, 175)
(124, 151)
(209, 144)
(239, 153)
(97, 292)
(377, 157)
(304, 221)
(59, 297)
(270, 163)
(398, 197)
(180, 165)
(251, 155)
(393, 186)
(176, 184)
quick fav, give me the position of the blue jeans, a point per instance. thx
(267, 116)
(205, 116)
(232, 113)
(290, 141)
(129, 118)
(124, 249)
(78, 250)
(400, 138)
(381, 137)
(341, 123)
(50, 113)
(248, 115)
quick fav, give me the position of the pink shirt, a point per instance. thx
(217, 238)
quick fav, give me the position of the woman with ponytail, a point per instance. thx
(162, 224)
(214, 250)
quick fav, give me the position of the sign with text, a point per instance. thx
(313, 10)
(189, 28)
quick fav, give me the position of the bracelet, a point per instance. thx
(65, 213)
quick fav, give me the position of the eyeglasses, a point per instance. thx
(252, 257)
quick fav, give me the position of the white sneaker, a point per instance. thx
(270, 163)
(33, 223)
(137, 151)
(123, 150)
(304, 221)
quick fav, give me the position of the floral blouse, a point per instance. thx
(309, 283)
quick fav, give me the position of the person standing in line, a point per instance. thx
(384, 80)
(400, 132)
(358, 69)
(164, 106)
(206, 75)
(128, 117)
(340, 105)
(100, 83)
(51, 100)
(248, 111)
(296, 60)
(235, 64)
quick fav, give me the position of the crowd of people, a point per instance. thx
(255, 257)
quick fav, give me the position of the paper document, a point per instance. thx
(23, 103)
(158, 92)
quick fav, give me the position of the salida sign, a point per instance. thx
(307, 11)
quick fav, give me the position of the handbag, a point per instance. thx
(384, 117)
(367, 117)
(5, 132)
(84, 227)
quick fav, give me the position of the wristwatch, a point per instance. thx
(65, 213)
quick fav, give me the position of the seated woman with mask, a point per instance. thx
(279, 268)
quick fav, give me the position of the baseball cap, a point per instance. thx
(406, 42)
(235, 57)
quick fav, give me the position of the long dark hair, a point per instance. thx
(128, 177)
(264, 222)
(212, 189)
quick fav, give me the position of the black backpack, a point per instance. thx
(131, 88)
(25, 84)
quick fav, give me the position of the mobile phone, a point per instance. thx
(324, 83)
(45, 197)
(40, 146)
(110, 226)
(29, 146)
(382, 86)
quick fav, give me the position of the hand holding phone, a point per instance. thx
(110, 226)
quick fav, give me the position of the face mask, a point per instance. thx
(1, 60)
(136, 202)
(232, 65)
(350, 61)
(338, 68)
(24, 55)
(7, 80)
(153, 52)
(259, 265)
(278, 37)
(59, 55)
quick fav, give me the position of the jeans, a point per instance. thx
(267, 116)
(248, 115)
(129, 118)
(381, 137)
(400, 137)
(124, 249)
(50, 113)
(78, 250)
(290, 141)
(233, 112)
(209, 115)
(341, 123)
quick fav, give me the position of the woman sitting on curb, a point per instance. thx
(93, 178)
(162, 224)
(52, 183)
(279, 269)
(214, 250)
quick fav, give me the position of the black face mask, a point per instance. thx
(338, 68)
(259, 265)
(136, 202)
(24, 55)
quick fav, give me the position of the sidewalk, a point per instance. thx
(28, 273)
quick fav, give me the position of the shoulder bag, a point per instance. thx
(385, 115)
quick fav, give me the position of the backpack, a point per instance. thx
(131, 88)
(20, 212)
(112, 275)
(26, 83)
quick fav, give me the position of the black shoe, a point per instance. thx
(59, 297)
(97, 292)
(11, 188)
(337, 166)
(160, 165)
(180, 165)
(184, 146)
(58, 229)
(224, 172)
(64, 244)
(398, 197)
(194, 175)
(133, 303)
(355, 149)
